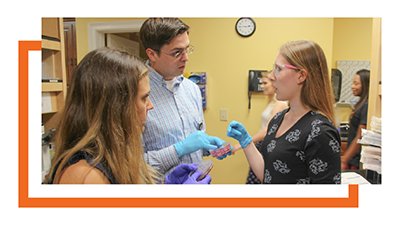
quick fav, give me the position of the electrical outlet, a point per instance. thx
(223, 116)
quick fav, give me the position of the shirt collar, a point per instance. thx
(160, 79)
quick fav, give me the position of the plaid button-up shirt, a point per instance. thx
(176, 114)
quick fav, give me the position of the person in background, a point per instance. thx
(98, 140)
(358, 120)
(175, 129)
(272, 108)
(302, 144)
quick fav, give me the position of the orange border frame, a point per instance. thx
(25, 201)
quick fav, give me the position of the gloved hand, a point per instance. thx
(180, 174)
(225, 155)
(193, 179)
(195, 141)
(219, 142)
(237, 131)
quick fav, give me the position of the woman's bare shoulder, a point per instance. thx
(82, 173)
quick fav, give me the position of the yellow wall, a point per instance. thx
(352, 39)
(227, 58)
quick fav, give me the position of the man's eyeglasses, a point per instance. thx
(179, 53)
(279, 67)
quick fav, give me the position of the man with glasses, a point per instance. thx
(175, 129)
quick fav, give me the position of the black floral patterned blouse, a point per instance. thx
(308, 153)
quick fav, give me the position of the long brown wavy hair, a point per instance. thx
(364, 77)
(100, 117)
(317, 92)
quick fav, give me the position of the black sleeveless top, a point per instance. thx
(307, 153)
(83, 155)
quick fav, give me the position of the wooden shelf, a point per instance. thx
(49, 87)
(51, 45)
(53, 66)
(50, 112)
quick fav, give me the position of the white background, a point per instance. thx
(21, 20)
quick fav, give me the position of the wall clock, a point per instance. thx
(245, 26)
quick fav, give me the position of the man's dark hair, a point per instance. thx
(156, 32)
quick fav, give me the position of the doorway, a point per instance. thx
(129, 42)
(98, 31)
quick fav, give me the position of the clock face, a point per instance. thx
(245, 27)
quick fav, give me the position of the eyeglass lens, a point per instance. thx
(188, 51)
(276, 69)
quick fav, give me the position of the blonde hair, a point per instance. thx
(100, 117)
(266, 73)
(317, 91)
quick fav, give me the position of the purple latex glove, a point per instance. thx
(180, 174)
(193, 179)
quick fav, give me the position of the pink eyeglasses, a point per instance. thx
(279, 67)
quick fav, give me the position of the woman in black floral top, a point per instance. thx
(302, 145)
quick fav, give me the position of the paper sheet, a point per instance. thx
(46, 102)
(353, 178)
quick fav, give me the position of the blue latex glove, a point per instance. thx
(237, 131)
(180, 174)
(195, 141)
(193, 179)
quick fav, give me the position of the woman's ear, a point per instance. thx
(302, 76)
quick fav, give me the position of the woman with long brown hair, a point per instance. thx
(302, 145)
(98, 140)
(358, 120)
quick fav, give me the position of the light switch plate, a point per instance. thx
(223, 115)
